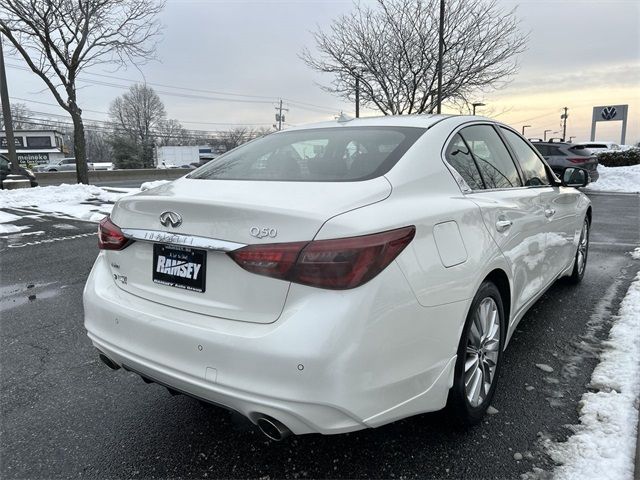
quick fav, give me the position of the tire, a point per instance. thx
(582, 253)
(469, 398)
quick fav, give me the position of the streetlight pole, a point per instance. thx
(564, 117)
(477, 104)
(523, 127)
(545, 134)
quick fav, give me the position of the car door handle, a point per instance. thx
(549, 212)
(503, 225)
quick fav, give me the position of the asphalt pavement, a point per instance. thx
(65, 414)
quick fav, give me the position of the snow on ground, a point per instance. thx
(604, 444)
(11, 228)
(617, 179)
(86, 202)
(8, 217)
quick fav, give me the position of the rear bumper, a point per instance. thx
(333, 362)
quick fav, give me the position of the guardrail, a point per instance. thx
(96, 176)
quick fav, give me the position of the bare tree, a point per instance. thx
(99, 148)
(20, 115)
(171, 132)
(393, 50)
(239, 135)
(137, 113)
(236, 136)
(59, 39)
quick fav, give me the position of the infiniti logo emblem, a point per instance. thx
(170, 219)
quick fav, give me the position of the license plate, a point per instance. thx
(180, 267)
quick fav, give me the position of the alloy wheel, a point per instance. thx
(583, 247)
(482, 352)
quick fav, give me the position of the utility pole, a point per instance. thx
(563, 117)
(279, 115)
(440, 54)
(357, 96)
(6, 112)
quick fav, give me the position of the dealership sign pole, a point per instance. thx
(610, 113)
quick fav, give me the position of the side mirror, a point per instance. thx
(574, 177)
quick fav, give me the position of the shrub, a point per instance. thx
(126, 153)
(623, 158)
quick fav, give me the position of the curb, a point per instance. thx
(607, 192)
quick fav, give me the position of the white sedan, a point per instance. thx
(338, 276)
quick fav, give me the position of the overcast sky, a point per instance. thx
(581, 53)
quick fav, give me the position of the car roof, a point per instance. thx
(596, 142)
(418, 121)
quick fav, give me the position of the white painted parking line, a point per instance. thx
(51, 240)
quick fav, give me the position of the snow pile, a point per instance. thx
(617, 179)
(154, 184)
(86, 202)
(603, 446)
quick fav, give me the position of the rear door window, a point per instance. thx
(535, 173)
(315, 155)
(492, 157)
(460, 158)
(556, 152)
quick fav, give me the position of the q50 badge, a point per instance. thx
(263, 232)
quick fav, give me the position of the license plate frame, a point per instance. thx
(179, 267)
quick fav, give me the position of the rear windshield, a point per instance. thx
(580, 151)
(340, 154)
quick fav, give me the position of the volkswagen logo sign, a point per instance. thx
(170, 219)
(609, 113)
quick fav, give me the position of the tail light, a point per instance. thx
(110, 237)
(579, 159)
(337, 264)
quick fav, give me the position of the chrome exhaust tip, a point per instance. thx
(272, 428)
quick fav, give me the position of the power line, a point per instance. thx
(110, 127)
(258, 98)
(535, 118)
(105, 113)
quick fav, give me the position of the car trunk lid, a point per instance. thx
(235, 213)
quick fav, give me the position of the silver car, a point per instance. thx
(561, 155)
(63, 165)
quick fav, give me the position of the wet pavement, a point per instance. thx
(64, 414)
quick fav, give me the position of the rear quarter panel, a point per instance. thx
(425, 194)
